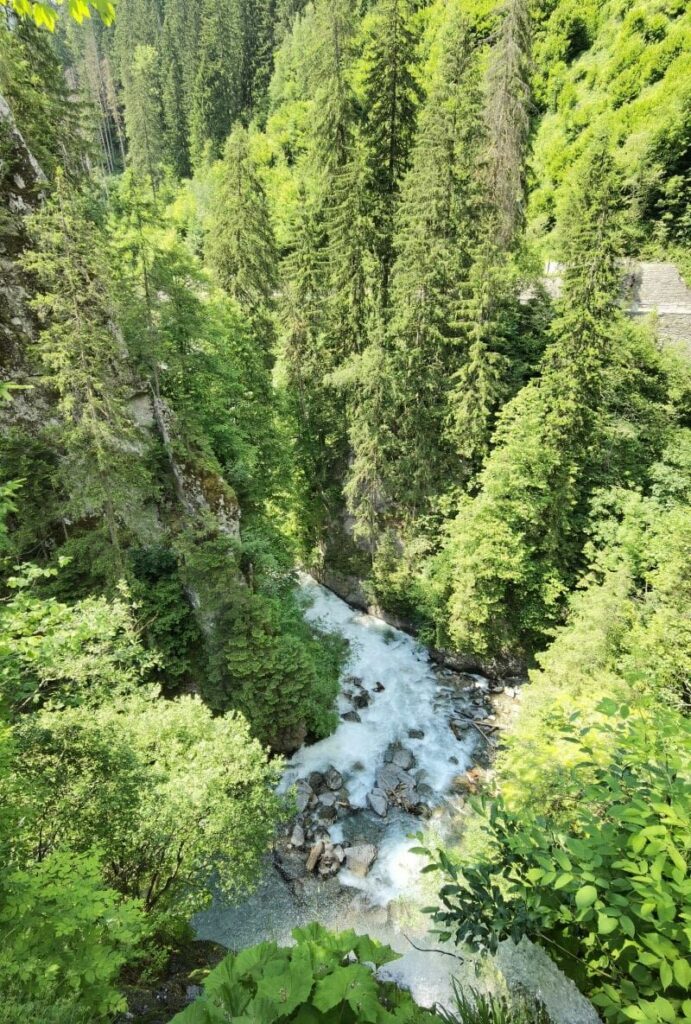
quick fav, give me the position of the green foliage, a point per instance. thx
(65, 937)
(608, 894)
(66, 654)
(44, 15)
(325, 977)
(474, 1007)
(169, 795)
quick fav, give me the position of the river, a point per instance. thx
(406, 692)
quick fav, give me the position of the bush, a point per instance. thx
(609, 895)
(64, 937)
(172, 796)
(325, 977)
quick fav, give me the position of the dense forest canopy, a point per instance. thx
(272, 296)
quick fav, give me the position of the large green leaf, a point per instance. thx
(353, 985)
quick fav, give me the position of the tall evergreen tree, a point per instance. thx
(240, 245)
(391, 96)
(144, 114)
(508, 116)
(84, 359)
(515, 547)
(435, 239)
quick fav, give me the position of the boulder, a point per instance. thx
(297, 837)
(390, 777)
(287, 741)
(403, 758)
(378, 802)
(316, 781)
(351, 716)
(333, 778)
(329, 862)
(359, 859)
(416, 734)
(314, 855)
(362, 699)
(303, 795)
(327, 799)
(379, 687)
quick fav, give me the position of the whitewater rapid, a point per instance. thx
(406, 693)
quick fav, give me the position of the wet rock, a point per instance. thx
(459, 728)
(379, 687)
(327, 812)
(378, 802)
(359, 859)
(389, 753)
(403, 758)
(390, 777)
(303, 795)
(297, 837)
(358, 766)
(287, 741)
(453, 760)
(362, 699)
(416, 734)
(351, 716)
(353, 681)
(425, 792)
(314, 855)
(333, 778)
(329, 862)
(328, 798)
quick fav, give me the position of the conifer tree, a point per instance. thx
(391, 96)
(434, 242)
(515, 547)
(144, 114)
(85, 361)
(240, 245)
(508, 116)
(217, 95)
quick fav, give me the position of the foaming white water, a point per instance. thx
(405, 694)
(411, 699)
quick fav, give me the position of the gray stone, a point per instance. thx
(390, 777)
(193, 992)
(360, 858)
(333, 778)
(328, 798)
(416, 734)
(362, 699)
(302, 799)
(351, 716)
(297, 837)
(403, 758)
(316, 781)
(378, 802)
(528, 967)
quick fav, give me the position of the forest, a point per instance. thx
(345, 288)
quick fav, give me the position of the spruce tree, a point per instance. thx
(508, 116)
(240, 245)
(84, 360)
(144, 115)
(217, 94)
(434, 242)
(515, 548)
(390, 98)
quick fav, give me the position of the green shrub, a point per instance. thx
(325, 977)
(609, 895)
(64, 936)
